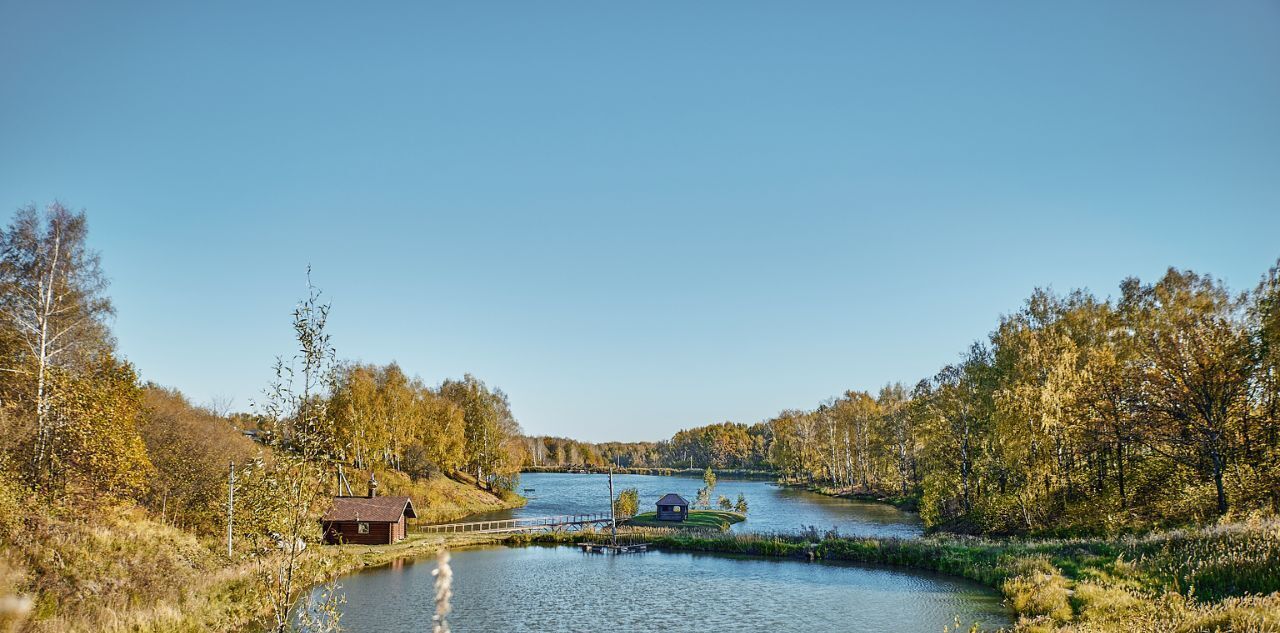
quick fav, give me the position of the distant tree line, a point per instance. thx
(727, 445)
(1160, 406)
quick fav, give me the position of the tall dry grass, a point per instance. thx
(444, 592)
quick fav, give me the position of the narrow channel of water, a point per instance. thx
(561, 590)
(773, 508)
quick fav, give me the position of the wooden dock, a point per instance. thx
(566, 522)
(613, 548)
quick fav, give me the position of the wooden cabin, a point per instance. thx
(672, 507)
(368, 520)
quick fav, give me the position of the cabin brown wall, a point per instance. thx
(347, 532)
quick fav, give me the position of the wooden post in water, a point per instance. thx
(613, 520)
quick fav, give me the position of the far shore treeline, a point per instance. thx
(1078, 414)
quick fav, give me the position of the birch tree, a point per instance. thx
(52, 302)
(1263, 445)
(898, 432)
(488, 426)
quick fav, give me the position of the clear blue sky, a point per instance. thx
(636, 217)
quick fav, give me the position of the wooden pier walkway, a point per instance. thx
(567, 522)
(614, 548)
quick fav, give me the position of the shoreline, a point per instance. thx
(904, 503)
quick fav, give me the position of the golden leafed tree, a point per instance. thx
(53, 312)
(94, 414)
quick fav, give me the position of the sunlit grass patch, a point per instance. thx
(705, 519)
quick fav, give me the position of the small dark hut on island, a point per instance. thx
(368, 520)
(672, 507)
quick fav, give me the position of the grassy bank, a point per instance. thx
(120, 569)
(441, 499)
(139, 576)
(697, 520)
(1222, 578)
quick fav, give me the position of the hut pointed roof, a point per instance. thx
(672, 499)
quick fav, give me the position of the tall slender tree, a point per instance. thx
(1263, 445)
(296, 411)
(52, 300)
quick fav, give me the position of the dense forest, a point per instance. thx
(724, 446)
(86, 443)
(381, 416)
(1159, 406)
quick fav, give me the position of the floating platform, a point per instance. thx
(609, 548)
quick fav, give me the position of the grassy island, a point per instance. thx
(697, 519)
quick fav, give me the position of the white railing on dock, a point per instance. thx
(516, 525)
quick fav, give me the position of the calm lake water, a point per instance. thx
(561, 590)
(773, 508)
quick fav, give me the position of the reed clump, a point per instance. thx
(444, 592)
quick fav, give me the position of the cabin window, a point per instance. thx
(362, 528)
(675, 509)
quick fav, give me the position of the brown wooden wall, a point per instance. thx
(347, 532)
